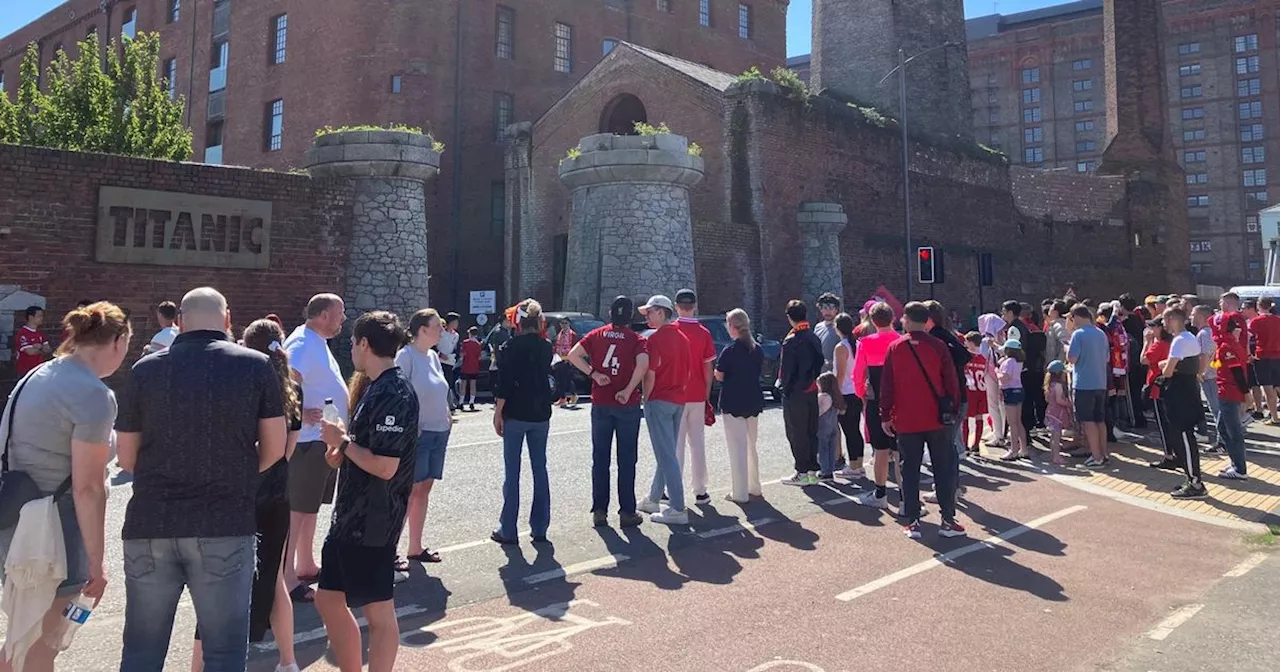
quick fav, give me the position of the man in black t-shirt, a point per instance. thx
(375, 459)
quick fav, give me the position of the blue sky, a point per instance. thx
(18, 13)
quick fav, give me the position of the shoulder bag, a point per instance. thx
(17, 487)
(946, 405)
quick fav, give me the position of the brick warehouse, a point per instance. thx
(383, 61)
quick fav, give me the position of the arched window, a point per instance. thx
(621, 114)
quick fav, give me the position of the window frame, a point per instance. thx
(279, 39)
(505, 17)
(129, 28)
(704, 13)
(563, 62)
(504, 106)
(744, 21)
(273, 130)
(173, 11)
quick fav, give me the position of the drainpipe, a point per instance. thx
(455, 204)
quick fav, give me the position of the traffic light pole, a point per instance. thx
(906, 162)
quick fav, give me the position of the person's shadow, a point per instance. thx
(549, 589)
(633, 543)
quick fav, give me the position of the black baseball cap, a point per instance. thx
(829, 299)
(686, 296)
(621, 310)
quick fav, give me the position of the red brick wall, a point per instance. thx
(49, 200)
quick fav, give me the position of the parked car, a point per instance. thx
(720, 336)
(581, 323)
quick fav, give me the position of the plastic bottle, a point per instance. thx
(331, 412)
(74, 616)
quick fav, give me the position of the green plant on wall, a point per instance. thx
(417, 130)
(647, 129)
(752, 75)
(694, 149)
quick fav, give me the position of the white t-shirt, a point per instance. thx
(429, 384)
(321, 378)
(163, 338)
(448, 348)
(1184, 345)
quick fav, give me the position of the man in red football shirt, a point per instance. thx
(31, 345)
(664, 390)
(697, 390)
(1230, 359)
(1266, 330)
(614, 357)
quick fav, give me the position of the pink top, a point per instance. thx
(871, 352)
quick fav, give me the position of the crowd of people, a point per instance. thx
(234, 445)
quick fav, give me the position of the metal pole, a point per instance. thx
(906, 165)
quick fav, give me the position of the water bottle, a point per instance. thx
(74, 615)
(331, 412)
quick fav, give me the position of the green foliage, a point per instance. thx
(694, 149)
(789, 80)
(326, 130)
(573, 153)
(993, 151)
(124, 109)
(648, 129)
(752, 75)
(874, 116)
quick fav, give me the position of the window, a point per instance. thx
(704, 13)
(1086, 125)
(93, 30)
(1084, 105)
(1030, 114)
(664, 6)
(1033, 134)
(218, 68)
(497, 207)
(564, 48)
(1082, 64)
(170, 76)
(506, 42)
(1201, 246)
(1191, 91)
(1188, 48)
(1198, 269)
(1246, 64)
(1189, 70)
(1197, 156)
(607, 46)
(1253, 155)
(991, 79)
(1255, 178)
(395, 83)
(175, 7)
(994, 117)
(129, 23)
(1259, 197)
(1082, 85)
(744, 21)
(1192, 113)
(1248, 87)
(1033, 155)
(1246, 43)
(1251, 223)
(275, 125)
(213, 143)
(503, 114)
(1250, 132)
(280, 25)
(1254, 265)
(1251, 110)
(1030, 96)
(1084, 166)
(1199, 201)
(1193, 135)
(1, 82)
(1197, 178)
(1030, 75)
(1086, 146)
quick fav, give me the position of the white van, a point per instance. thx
(1247, 292)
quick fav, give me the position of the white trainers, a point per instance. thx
(931, 497)
(670, 516)
(851, 473)
(869, 498)
(1231, 474)
(648, 506)
(291, 667)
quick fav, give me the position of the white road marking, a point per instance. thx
(738, 527)
(1082, 483)
(319, 633)
(1246, 565)
(497, 441)
(937, 560)
(1168, 625)
(607, 562)
(472, 544)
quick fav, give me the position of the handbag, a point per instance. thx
(17, 487)
(946, 405)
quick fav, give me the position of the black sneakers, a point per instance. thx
(1189, 490)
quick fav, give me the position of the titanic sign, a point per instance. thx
(168, 228)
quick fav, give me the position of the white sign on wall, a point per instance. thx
(485, 301)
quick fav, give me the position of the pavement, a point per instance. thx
(1060, 572)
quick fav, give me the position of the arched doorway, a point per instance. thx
(621, 114)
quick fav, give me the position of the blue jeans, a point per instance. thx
(219, 573)
(1209, 387)
(828, 449)
(942, 452)
(1231, 433)
(515, 434)
(606, 421)
(663, 420)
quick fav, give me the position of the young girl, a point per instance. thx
(975, 379)
(830, 406)
(471, 350)
(1057, 415)
(1012, 394)
(989, 325)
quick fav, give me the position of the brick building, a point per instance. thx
(1040, 94)
(261, 76)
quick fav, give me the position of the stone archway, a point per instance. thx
(621, 114)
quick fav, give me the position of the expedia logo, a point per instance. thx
(389, 425)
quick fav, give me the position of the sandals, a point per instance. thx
(309, 578)
(302, 593)
(402, 564)
(427, 555)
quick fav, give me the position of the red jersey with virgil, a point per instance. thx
(613, 351)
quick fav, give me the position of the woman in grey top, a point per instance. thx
(60, 428)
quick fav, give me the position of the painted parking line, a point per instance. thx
(1245, 565)
(944, 558)
(319, 633)
(739, 527)
(607, 562)
(498, 440)
(1171, 623)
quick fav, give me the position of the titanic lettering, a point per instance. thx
(167, 228)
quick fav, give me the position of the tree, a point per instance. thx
(122, 109)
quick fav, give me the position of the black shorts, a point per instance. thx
(1251, 373)
(1267, 372)
(879, 440)
(468, 376)
(364, 574)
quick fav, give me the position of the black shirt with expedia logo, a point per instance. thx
(368, 510)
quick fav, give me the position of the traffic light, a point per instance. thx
(926, 261)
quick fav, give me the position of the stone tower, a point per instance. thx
(1140, 146)
(631, 231)
(856, 42)
(387, 266)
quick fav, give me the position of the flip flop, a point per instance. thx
(302, 593)
(402, 564)
(427, 555)
(309, 578)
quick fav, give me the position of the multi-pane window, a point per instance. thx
(1250, 132)
(564, 48)
(1246, 64)
(1258, 197)
(1086, 125)
(1030, 75)
(1248, 87)
(1192, 113)
(1085, 166)
(1253, 154)
(170, 76)
(280, 31)
(1086, 146)
(129, 23)
(1030, 115)
(994, 117)
(1189, 69)
(664, 5)
(218, 66)
(1030, 96)
(1197, 178)
(1198, 201)
(503, 114)
(1082, 64)
(275, 125)
(506, 31)
(1188, 48)
(1251, 223)
(1193, 135)
(396, 83)
(175, 11)
(497, 207)
(704, 12)
(1255, 178)
(1246, 43)
(1084, 105)
(1193, 91)
(1033, 155)
(607, 46)
(1197, 156)
(1251, 110)
(1033, 134)
(1082, 85)
(1201, 246)
(744, 21)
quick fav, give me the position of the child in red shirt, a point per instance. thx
(471, 349)
(975, 379)
(32, 346)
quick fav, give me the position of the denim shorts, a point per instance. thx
(430, 457)
(1090, 405)
(1013, 396)
(77, 559)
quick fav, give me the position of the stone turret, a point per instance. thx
(820, 226)
(856, 43)
(631, 231)
(387, 266)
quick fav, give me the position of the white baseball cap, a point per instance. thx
(657, 301)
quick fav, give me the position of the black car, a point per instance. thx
(720, 337)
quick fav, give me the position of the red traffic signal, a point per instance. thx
(926, 271)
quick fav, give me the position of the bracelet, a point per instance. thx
(342, 447)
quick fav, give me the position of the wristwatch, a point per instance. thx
(342, 447)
